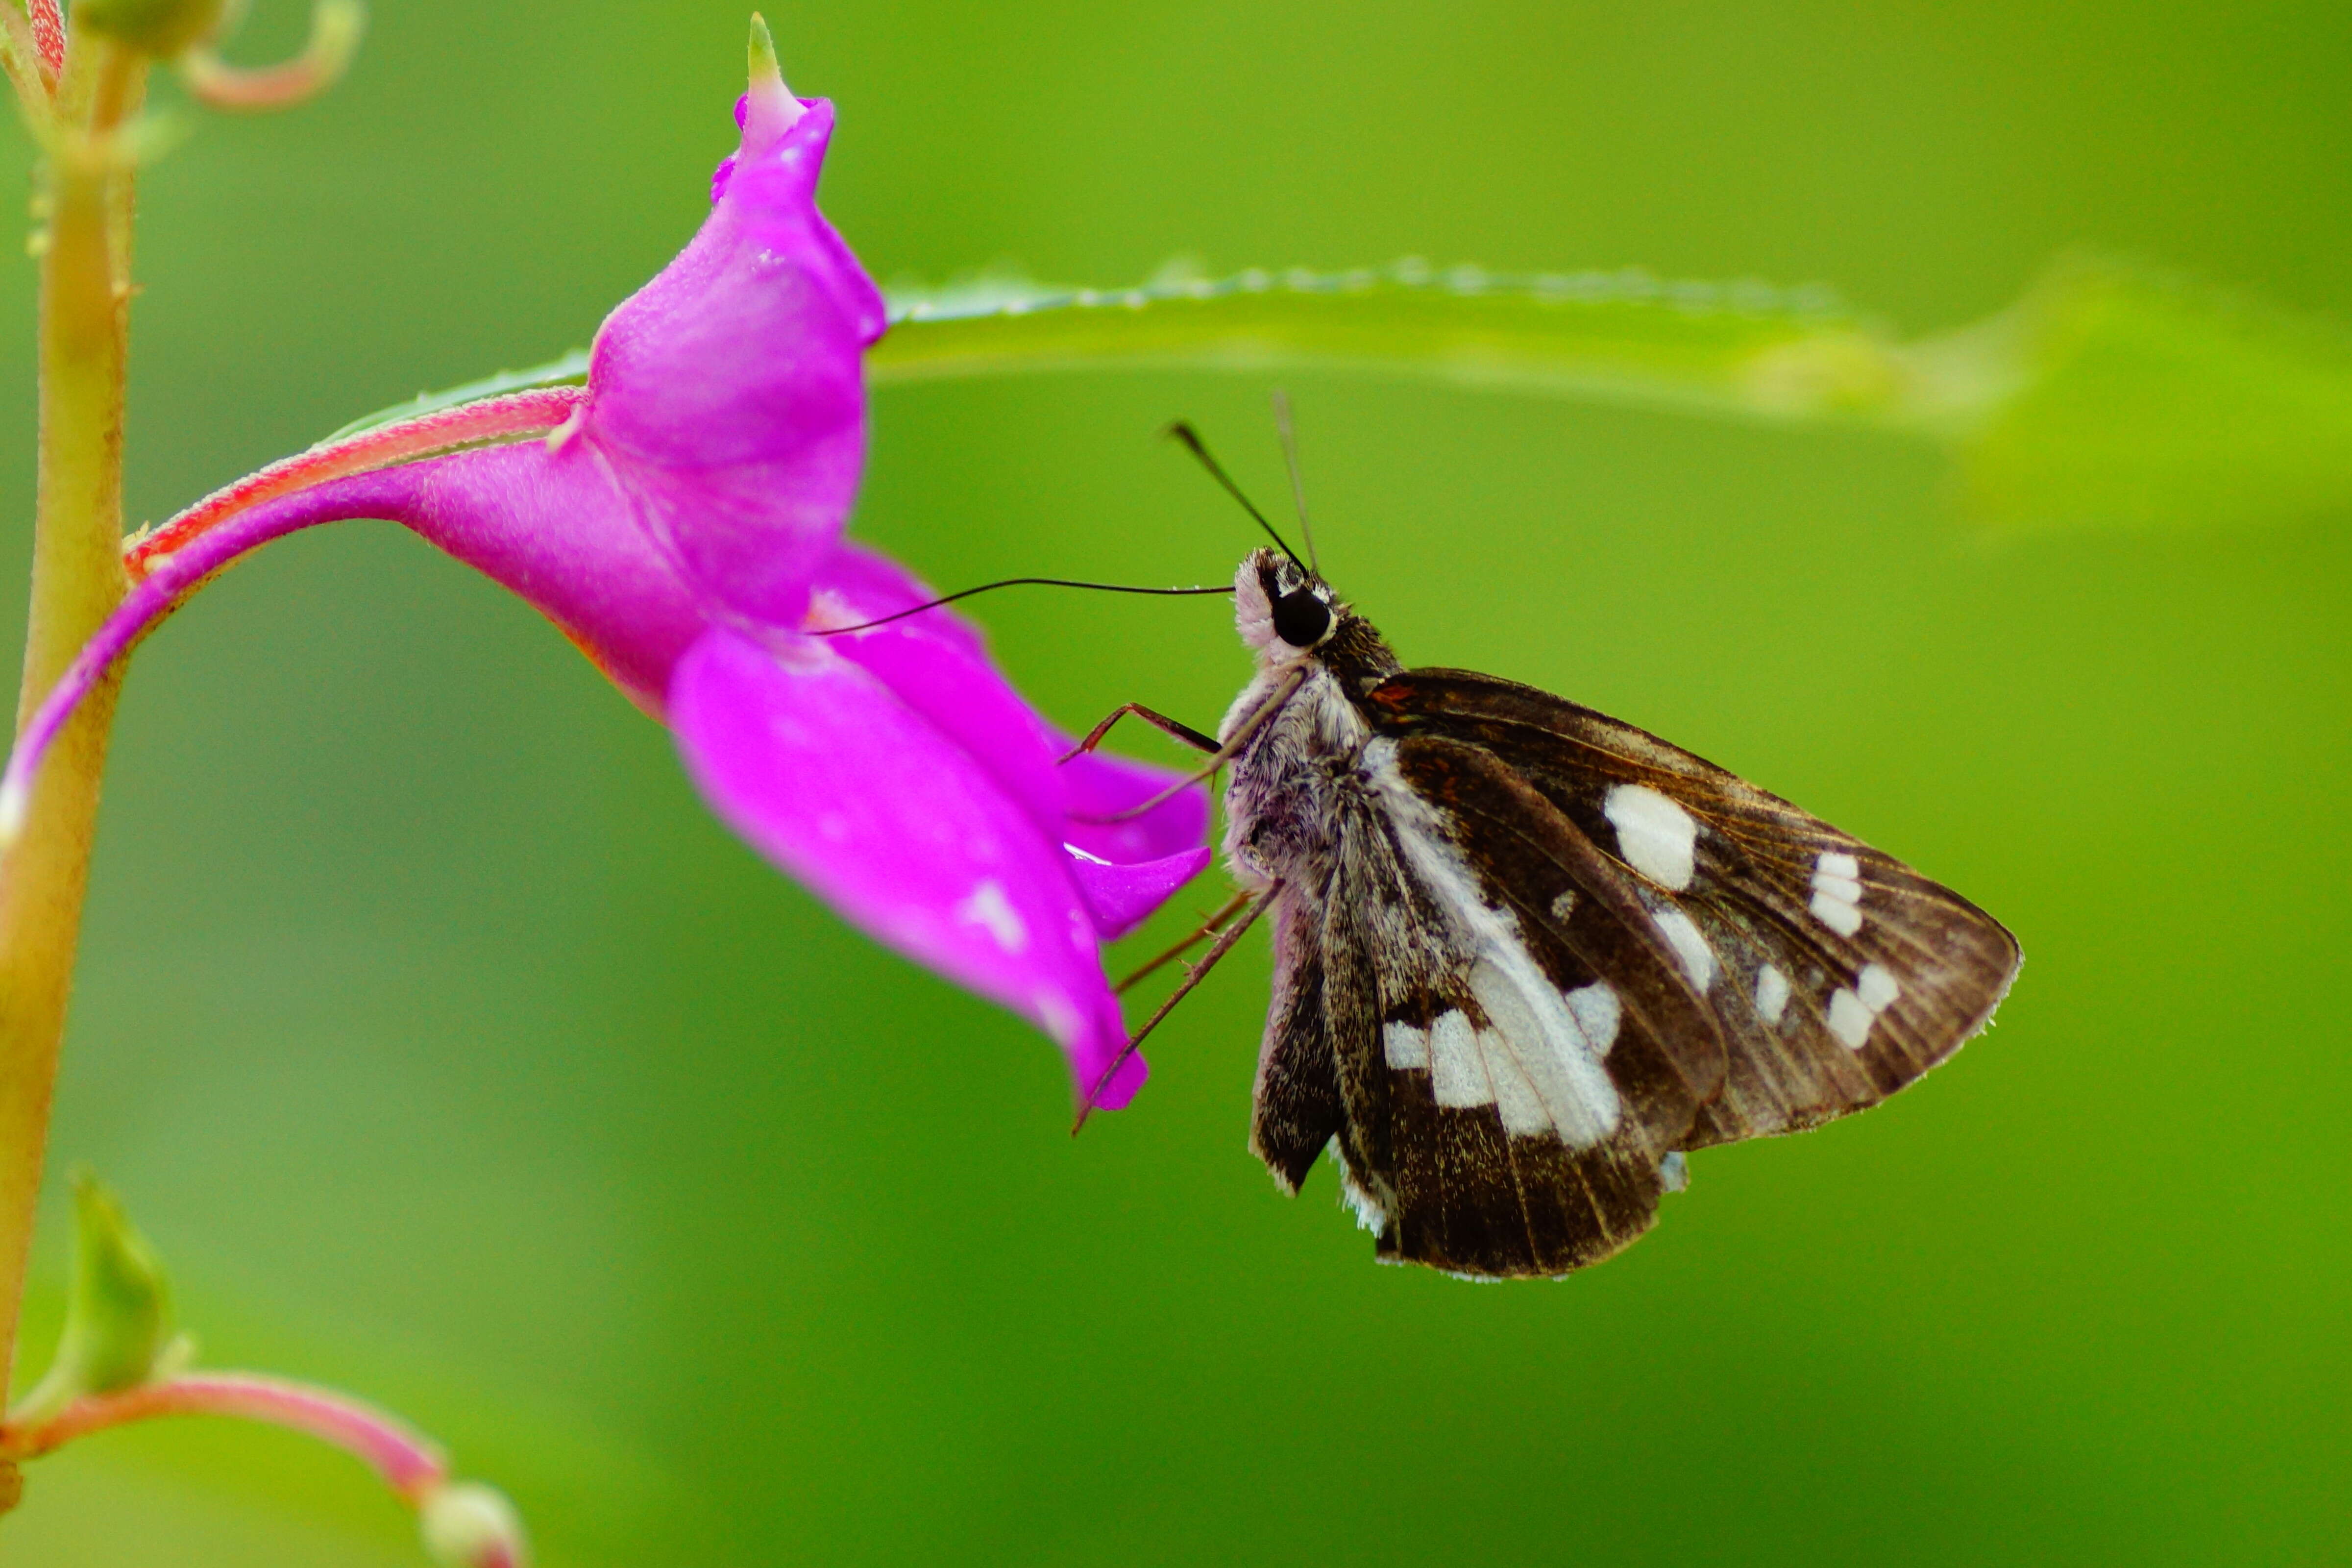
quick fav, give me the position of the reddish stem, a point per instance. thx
(409, 1462)
(517, 414)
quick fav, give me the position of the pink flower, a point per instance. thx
(682, 524)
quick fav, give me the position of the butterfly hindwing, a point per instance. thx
(1296, 1110)
(1516, 1051)
(1835, 973)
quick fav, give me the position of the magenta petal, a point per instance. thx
(822, 769)
(1095, 784)
(865, 585)
(1122, 898)
(729, 393)
(936, 665)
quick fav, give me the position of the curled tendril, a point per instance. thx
(335, 29)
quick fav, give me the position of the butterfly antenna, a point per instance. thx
(1009, 583)
(1297, 486)
(1182, 431)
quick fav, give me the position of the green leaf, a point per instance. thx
(1744, 348)
(2108, 394)
(118, 1329)
(2118, 395)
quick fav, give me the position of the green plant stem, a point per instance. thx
(78, 579)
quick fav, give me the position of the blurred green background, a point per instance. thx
(450, 1051)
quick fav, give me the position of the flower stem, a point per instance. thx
(78, 579)
(465, 1524)
(409, 1463)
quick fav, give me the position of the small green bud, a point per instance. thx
(468, 1525)
(161, 30)
(118, 1331)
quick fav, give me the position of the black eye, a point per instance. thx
(1300, 619)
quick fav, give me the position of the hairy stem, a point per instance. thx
(78, 579)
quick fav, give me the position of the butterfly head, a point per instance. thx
(1282, 611)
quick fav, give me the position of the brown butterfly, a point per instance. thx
(1527, 956)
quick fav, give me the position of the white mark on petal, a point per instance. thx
(1060, 1017)
(1406, 1046)
(988, 909)
(1771, 995)
(1655, 835)
(1682, 934)
(1837, 892)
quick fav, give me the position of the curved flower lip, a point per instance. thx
(682, 525)
(938, 664)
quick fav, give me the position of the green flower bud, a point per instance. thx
(117, 1331)
(163, 29)
(468, 1525)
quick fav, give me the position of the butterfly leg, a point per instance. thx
(1193, 974)
(1218, 757)
(1201, 934)
(1160, 722)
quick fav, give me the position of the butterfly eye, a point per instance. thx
(1300, 619)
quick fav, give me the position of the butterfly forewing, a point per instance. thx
(1836, 973)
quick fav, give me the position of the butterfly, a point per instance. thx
(1528, 957)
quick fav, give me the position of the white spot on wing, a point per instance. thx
(1852, 1012)
(1849, 1019)
(1771, 995)
(1674, 1172)
(1564, 905)
(987, 907)
(1517, 1099)
(1682, 934)
(1655, 837)
(1837, 892)
(1543, 1068)
(1596, 1012)
(1406, 1046)
(1535, 1059)
(1455, 1064)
